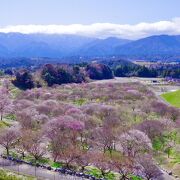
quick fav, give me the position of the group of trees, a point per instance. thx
(6, 105)
(167, 70)
(24, 80)
(134, 70)
(142, 71)
(68, 73)
(99, 71)
(71, 143)
(86, 124)
(61, 74)
(124, 68)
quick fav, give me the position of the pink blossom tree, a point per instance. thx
(151, 128)
(8, 139)
(134, 143)
(5, 102)
(124, 165)
(148, 169)
(102, 162)
(83, 159)
(63, 132)
(34, 145)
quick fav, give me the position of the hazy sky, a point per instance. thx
(116, 13)
(15, 12)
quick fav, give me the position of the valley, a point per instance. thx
(89, 90)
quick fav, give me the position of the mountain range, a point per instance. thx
(154, 45)
(61, 46)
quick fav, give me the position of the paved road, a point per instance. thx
(41, 174)
(115, 80)
(166, 176)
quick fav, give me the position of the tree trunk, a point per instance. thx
(103, 173)
(55, 158)
(7, 151)
(123, 177)
(114, 146)
(168, 154)
(104, 149)
(82, 168)
(110, 151)
(23, 155)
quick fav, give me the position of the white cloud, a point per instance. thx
(103, 30)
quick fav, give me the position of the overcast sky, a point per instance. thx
(99, 18)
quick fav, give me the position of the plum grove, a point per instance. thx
(110, 126)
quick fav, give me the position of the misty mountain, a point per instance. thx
(55, 46)
(154, 45)
(102, 47)
(40, 45)
(68, 46)
(3, 51)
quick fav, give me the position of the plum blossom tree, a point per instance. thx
(23, 104)
(102, 162)
(23, 143)
(124, 165)
(168, 147)
(148, 169)
(74, 112)
(26, 118)
(134, 143)
(8, 139)
(56, 132)
(173, 113)
(159, 108)
(5, 102)
(43, 109)
(34, 145)
(69, 155)
(105, 138)
(41, 119)
(29, 118)
(151, 128)
(83, 159)
(63, 133)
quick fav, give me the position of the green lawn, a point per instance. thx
(173, 98)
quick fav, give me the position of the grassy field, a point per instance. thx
(173, 98)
